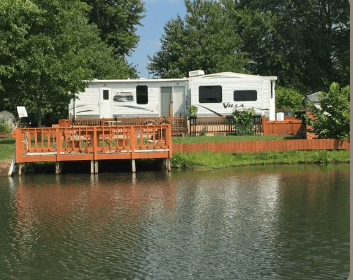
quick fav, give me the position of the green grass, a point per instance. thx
(218, 160)
(7, 148)
(218, 138)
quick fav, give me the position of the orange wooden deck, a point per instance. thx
(59, 144)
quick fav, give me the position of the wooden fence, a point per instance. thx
(216, 124)
(262, 146)
(93, 143)
(219, 124)
(290, 126)
(199, 125)
(178, 123)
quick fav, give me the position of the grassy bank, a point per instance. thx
(218, 160)
(7, 148)
(219, 138)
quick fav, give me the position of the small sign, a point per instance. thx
(22, 113)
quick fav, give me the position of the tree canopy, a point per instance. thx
(204, 40)
(304, 43)
(288, 98)
(117, 21)
(48, 52)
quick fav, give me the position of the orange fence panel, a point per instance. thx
(286, 127)
(263, 145)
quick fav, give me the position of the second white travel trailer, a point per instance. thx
(214, 94)
(221, 93)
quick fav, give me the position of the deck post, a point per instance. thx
(96, 166)
(58, 167)
(13, 164)
(167, 164)
(263, 124)
(133, 166)
(20, 165)
(92, 166)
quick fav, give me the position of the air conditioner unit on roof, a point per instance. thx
(196, 73)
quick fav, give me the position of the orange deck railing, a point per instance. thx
(178, 123)
(93, 143)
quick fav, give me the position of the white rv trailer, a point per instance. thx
(214, 94)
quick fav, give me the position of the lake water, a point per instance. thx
(263, 222)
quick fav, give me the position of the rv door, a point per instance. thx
(105, 103)
(166, 100)
(179, 106)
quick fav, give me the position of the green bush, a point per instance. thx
(193, 110)
(288, 98)
(180, 160)
(244, 121)
(322, 156)
(332, 120)
(4, 125)
(204, 131)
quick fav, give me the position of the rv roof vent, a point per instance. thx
(196, 73)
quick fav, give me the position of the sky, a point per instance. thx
(158, 13)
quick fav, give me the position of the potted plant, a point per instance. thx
(192, 112)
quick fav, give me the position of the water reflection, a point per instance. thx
(289, 222)
(65, 193)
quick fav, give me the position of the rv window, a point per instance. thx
(105, 94)
(245, 95)
(210, 94)
(141, 94)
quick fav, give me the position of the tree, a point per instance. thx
(332, 119)
(288, 98)
(14, 16)
(203, 40)
(117, 21)
(305, 43)
(49, 52)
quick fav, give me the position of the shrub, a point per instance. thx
(322, 156)
(204, 131)
(244, 121)
(288, 98)
(192, 110)
(332, 119)
(4, 125)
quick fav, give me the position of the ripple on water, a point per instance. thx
(258, 223)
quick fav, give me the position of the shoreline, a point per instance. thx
(209, 160)
(5, 165)
(261, 164)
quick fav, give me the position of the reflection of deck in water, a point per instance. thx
(93, 143)
(38, 199)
